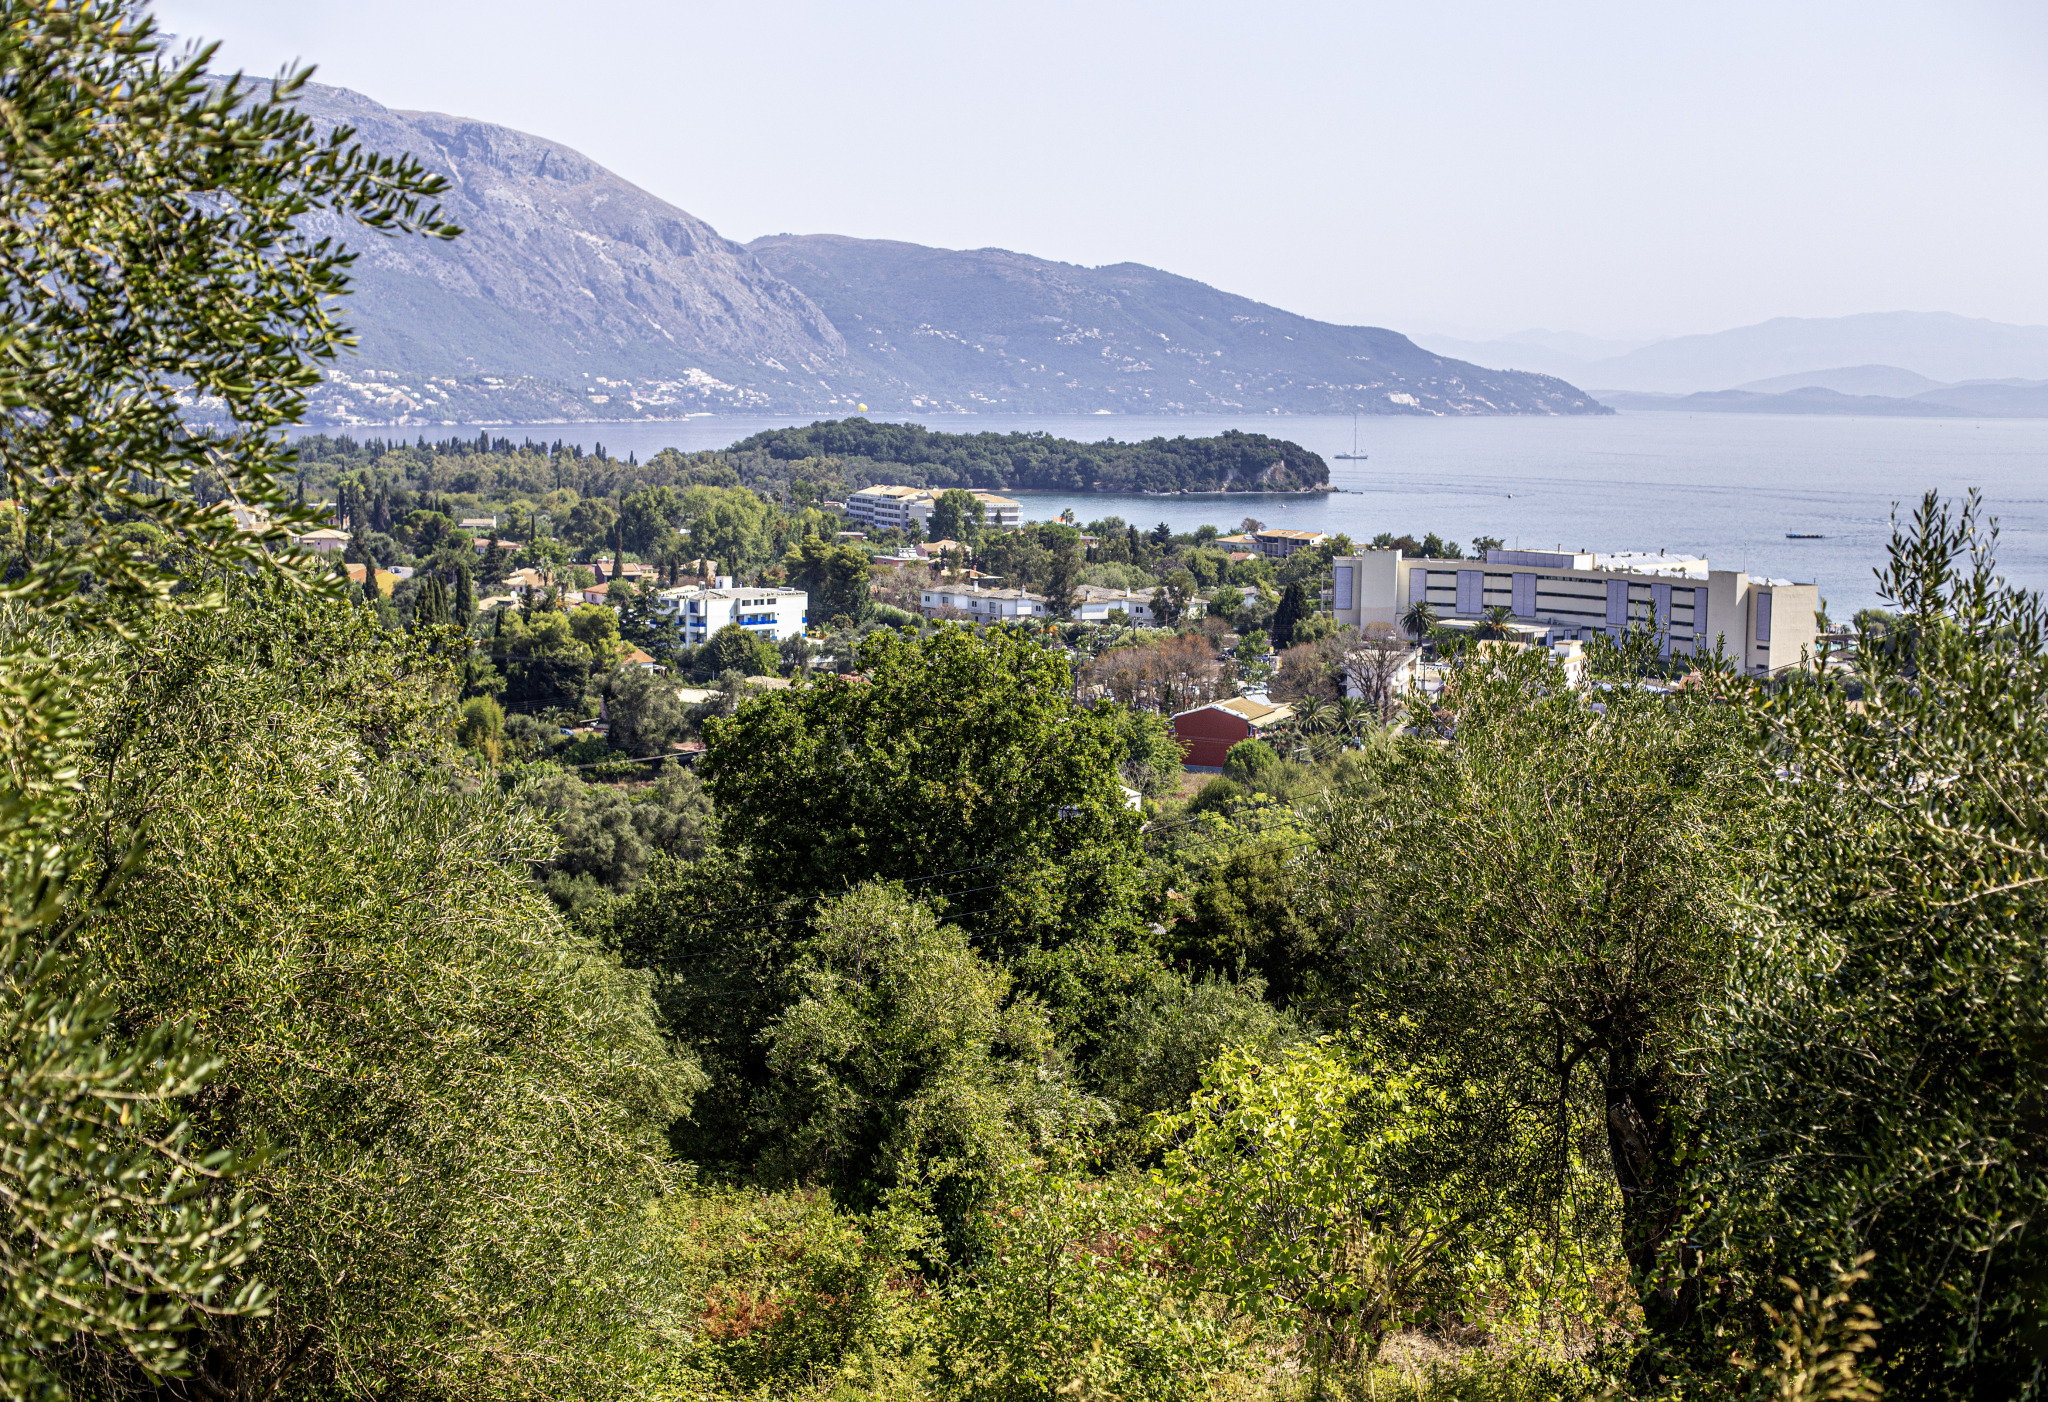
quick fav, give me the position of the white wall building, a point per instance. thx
(776, 614)
(1093, 602)
(894, 508)
(983, 603)
(1766, 625)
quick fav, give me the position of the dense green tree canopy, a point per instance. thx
(154, 251)
(833, 575)
(1231, 461)
(453, 1094)
(956, 762)
(1880, 1064)
(956, 515)
(904, 1061)
(1550, 901)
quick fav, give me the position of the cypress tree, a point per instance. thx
(1293, 604)
(463, 612)
(432, 608)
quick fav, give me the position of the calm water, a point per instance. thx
(1728, 486)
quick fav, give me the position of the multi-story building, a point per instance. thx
(776, 614)
(1278, 544)
(976, 602)
(894, 508)
(888, 508)
(1764, 625)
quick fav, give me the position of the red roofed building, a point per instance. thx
(1207, 732)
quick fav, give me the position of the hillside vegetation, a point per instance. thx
(1229, 462)
(918, 1035)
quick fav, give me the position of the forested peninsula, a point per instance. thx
(1231, 461)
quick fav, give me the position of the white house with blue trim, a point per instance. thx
(776, 614)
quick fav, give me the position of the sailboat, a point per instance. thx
(1354, 455)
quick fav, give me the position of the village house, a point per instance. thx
(976, 602)
(1206, 733)
(1093, 603)
(322, 540)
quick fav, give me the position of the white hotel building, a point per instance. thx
(894, 508)
(1766, 625)
(776, 614)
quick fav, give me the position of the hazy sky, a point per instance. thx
(1629, 169)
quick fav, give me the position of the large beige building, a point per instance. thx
(1765, 625)
(894, 508)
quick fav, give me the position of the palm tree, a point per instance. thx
(1312, 714)
(1352, 715)
(1419, 619)
(1493, 624)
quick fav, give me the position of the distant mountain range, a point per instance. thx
(1975, 399)
(574, 295)
(1892, 363)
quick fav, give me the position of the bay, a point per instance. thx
(1727, 486)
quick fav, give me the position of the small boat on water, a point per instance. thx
(1354, 455)
(1804, 535)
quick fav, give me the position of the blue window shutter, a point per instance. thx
(1617, 603)
(1525, 596)
(1470, 585)
(1343, 599)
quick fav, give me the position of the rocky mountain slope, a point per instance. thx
(567, 277)
(574, 295)
(991, 329)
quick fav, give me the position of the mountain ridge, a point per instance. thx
(574, 295)
(1010, 329)
(1941, 347)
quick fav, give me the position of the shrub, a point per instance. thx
(481, 727)
(590, 749)
(905, 1063)
(1306, 1186)
(776, 1289)
(1072, 1290)
(1152, 1056)
(1249, 761)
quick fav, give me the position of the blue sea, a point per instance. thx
(1728, 486)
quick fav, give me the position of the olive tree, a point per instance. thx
(456, 1101)
(166, 308)
(1548, 901)
(1880, 1059)
(905, 1060)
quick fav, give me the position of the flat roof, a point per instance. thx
(697, 591)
